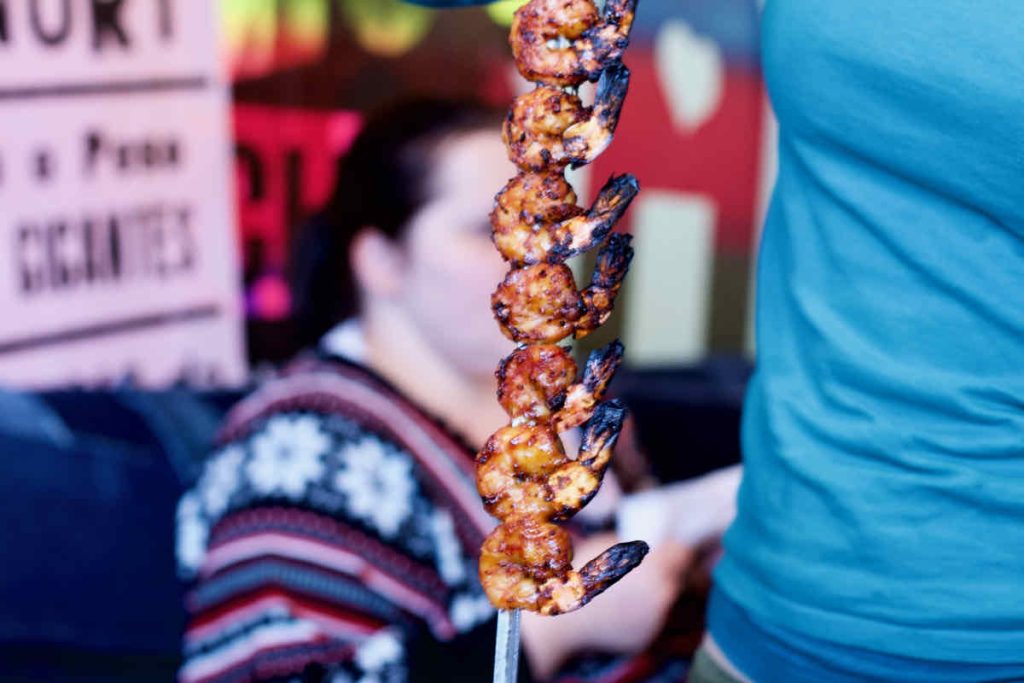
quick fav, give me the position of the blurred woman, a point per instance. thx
(334, 532)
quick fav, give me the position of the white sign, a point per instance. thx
(117, 248)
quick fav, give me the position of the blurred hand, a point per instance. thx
(624, 620)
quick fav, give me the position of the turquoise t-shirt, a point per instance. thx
(882, 507)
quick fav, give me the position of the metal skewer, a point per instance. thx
(506, 648)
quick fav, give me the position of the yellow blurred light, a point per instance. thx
(388, 28)
(307, 20)
(250, 30)
(501, 12)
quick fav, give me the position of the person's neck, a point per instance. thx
(398, 352)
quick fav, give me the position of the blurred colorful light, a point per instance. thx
(503, 10)
(387, 28)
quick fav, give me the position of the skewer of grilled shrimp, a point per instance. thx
(524, 475)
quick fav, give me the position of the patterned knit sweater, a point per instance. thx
(332, 535)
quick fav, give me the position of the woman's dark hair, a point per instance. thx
(381, 182)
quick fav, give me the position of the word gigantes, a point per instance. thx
(153, 241)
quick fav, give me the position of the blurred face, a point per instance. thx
(450, 264)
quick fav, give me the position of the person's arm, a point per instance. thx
(689, 512)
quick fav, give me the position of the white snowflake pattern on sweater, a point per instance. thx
(378, 484)
(287, 455)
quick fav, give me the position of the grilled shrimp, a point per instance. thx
(524, 470)
(535, 217)
(535, 125)
(585, 42)
(526, 564)
(548, 128)
(532, 218)
(540, 304)
(537, 384)
(523, 474)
